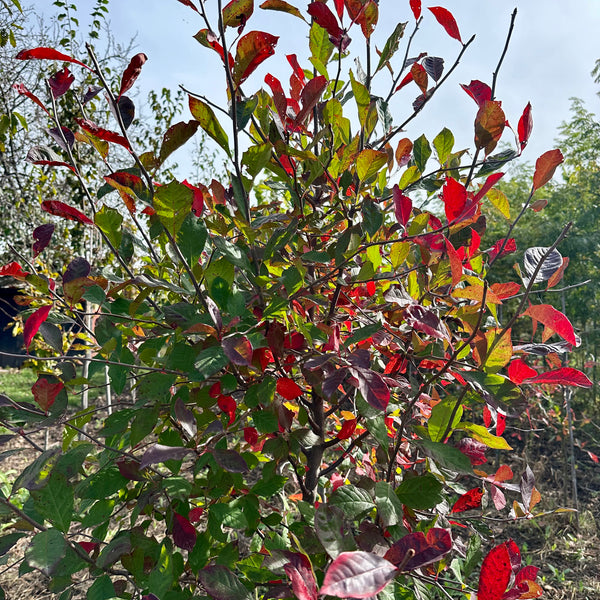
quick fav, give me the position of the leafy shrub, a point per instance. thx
(317, 361)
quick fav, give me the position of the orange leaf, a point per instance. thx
(545, 166)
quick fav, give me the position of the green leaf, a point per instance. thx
(422, 492)
(109, 221)
(106, 482)
(55, 502)
(101, 589)
(232, 253)
(443, 144)
(205, 115)
(221, 583)
(391, 46)
(256, 158)
(321, 47)
(389, 507)
(333, 530)
(282, 6)
(191, 238)
(440, 418)
(210, 361)
(421, 152)
(362, 333)
(173, 202)
(46, 550)
(143, 424)
(237, 12)
(175, 137)
(34, 476)
(113, 551)
(161, 578)
(362, 98)
(8, 541)
(353, 501)
(447, 457)
(372, 218)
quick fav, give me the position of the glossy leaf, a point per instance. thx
(252, 49)
(519, 371)
(434, 65)
(563, 376)
(60, 82)
(185, 417)
(41, 237)
(43, 53)
(545, 166)
(205, 115)
(299, 570)
(60, 209)
(357, 575)
(373, 387)
(132, 72)
(417, 550)
(525, 126)
(550, 265)
(33, 323)
(446, 20)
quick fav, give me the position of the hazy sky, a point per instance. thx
(553, 49)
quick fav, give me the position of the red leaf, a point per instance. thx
(45, 393)
(88, 546)
(310, 95)
(252, 49)
(130, 469)
(490, 182)
(103, 134)
(525, 126)
(132, 72)
(188, 3)
(60, 82)
(505, 290)
(407, 79)
(456, 267)
(200, 193)
(502, 247)
(300, 572)
(545, 166)
(323, 16)
(238, 350)
(13, 269)
(372, 387)
(42, 236)
(419, 75)
(454, 195)
(21, 89)
(479, 91)
(228, 405)
(195, 514)
(495, 574)
(593, 456)
(469, 500)
(563, 376)
(427, 549)
(357, 575)
(554, 320)
(446, 20)
(347, 429)
(60, 209)
(402, 206)
(339, 7)
(500, 423)
(415, 6)
(48, 54)
(498, 497)
(288, 388)
(250, 435)
(365, 13)
(519, 371)
(489, 125)
(33, 324)
(207, 38)
(184, 533)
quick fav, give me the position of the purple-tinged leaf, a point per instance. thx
(402, 206)
(152, 596)
(42, 236)
(372, 387)
(132, 72)
(91, 93)
(60, 82)
(532, 258)
(434, 65)
(426, 321)
(230, 460)
(60, 209)
(357, 575)
(126, 109)
(184, 533)
(67, 134)
(215, 313)
(238, 350)
(158, 453)
(185, 417)
(130, 469)
(33, 324)
(323, 16)
(222, 584)
(525, 126)
(299, 570)
(427, 549)
(76, 269)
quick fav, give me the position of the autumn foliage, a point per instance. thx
(312, 356)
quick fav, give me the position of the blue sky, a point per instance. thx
(553, 49)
